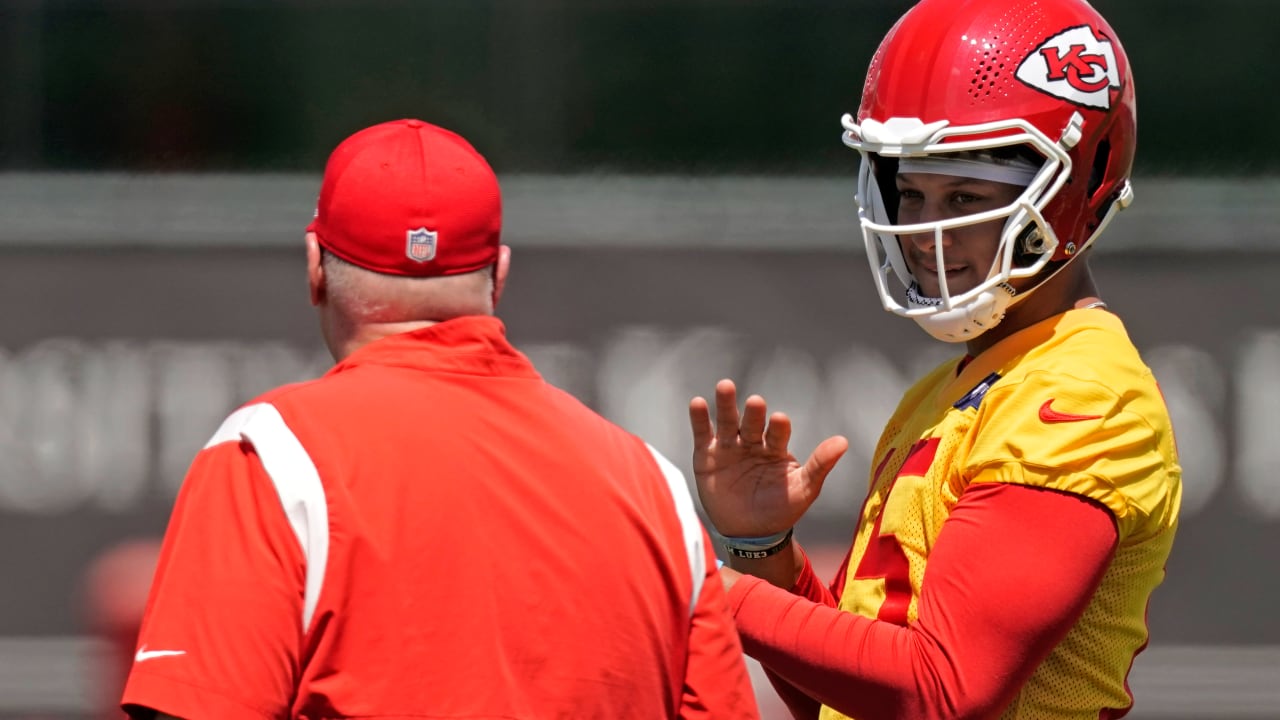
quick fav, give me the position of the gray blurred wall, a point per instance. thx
(140, 309)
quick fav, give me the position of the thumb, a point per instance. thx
(824, 458)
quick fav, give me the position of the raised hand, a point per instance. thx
(749, 482)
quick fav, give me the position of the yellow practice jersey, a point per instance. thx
(1065, 404)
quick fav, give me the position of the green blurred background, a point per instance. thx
(638, 86)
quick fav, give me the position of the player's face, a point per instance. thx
(968, 251)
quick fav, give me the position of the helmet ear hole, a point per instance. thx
(1031, 245)
(1098, 171)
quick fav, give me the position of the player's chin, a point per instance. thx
(928, 289)
(955, 286)
(960, 282)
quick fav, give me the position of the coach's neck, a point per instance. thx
(357, 306)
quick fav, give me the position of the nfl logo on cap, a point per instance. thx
(422, 245)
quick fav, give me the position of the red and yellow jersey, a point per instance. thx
(1066, 404)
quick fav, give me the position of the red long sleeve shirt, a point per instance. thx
(1013, 570)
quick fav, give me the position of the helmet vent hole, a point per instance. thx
(988, 64)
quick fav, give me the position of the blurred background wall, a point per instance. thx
(681, 210)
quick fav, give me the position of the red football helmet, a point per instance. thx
(973, 75)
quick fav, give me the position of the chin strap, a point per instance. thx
(915, 297)
(968, 321)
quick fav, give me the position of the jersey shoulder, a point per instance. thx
(1082, 414)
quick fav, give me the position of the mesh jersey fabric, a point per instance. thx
(1068, 405)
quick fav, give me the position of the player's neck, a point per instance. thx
(1072, 287)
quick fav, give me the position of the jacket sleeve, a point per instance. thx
(222, 629)
(716, 683)
(989, 614)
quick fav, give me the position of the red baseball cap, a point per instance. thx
(409, 198)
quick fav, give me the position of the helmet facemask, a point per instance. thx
(1027, 240)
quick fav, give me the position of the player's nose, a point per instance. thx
(927, 242)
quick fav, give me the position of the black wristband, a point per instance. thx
(761, 554)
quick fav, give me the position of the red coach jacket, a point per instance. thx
(430, 530)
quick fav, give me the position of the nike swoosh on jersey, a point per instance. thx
(144, 654)
(1049, 415)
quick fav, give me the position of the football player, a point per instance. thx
(1023, 498)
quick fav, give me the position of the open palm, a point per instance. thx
(749, 482)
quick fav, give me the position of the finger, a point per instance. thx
(700, 422)
(823, 459)
(726, 412)
(753, 420)
(778, 433)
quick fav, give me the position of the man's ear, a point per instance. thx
(315, 269)
(500, 270)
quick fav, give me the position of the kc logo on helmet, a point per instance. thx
(422, 245)
(1076, 65)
